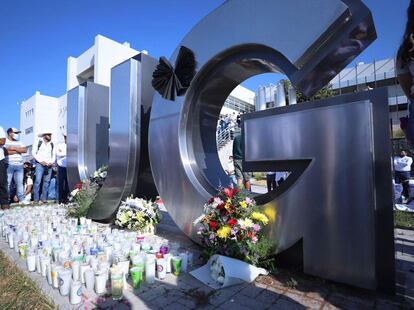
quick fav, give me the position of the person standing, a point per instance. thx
(14, 159)
(243, 178)
(402, 166)
(231, 173)
(271, 181)
(45, 156)
(4, 195)
(62, 176)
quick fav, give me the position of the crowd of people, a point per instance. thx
(44, 175)
(230, 121)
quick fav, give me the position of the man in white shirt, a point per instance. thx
(14, 160)
(4, 194)
(45, 156)
(62, 178)
(402, 167)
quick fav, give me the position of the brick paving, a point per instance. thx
(276, 291)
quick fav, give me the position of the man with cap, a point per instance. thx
(14, 160)
(4, 195)
(45, 157)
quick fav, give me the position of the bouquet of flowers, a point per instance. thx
(233, 226)
(99, 176)
(138, 214)
(84, 193)
(81, 198)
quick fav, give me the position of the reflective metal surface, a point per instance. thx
(129, 171)
(310, 42)
(340, 188)
(280, 96)
(88, 123)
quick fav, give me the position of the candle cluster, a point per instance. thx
(69, 253)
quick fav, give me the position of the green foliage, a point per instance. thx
(404, 220)
(259, 176)
(325, 92)
(82, 200)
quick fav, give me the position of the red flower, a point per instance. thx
(213, 225)
(211, 200)
(250, 235)
(230, 192)
(223, 212)
(232, 222)
(78, 185)
(221, 206)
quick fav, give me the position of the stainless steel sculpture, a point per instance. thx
(310, 42)
(88, 123)
(129, 171)
(338, 199)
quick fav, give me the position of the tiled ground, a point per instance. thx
(284, 290)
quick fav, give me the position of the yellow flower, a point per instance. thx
(228, 204)
(224, 232)
(260, 217)
(243, 204)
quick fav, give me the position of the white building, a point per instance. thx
(42, 113)
(240, 100)
(38, 114)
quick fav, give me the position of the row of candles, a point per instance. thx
(69, 253)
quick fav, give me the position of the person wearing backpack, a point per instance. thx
(45, 156)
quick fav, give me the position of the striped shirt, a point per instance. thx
(15, 159)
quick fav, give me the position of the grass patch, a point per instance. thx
(18, 291)
(404, 220)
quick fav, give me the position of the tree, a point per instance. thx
(323, 93)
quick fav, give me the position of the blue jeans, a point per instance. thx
(51, 195)
(40, 175)
(15, 172)
(233, 180)
(62, 185)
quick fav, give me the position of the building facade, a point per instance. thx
(42, 113)
(359, 77)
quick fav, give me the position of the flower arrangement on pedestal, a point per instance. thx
(138, 214)
(233, 226)
(84, 193)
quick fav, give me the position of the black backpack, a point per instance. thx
(40, 143)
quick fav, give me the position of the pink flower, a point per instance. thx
(256, 227)
(248, 200)
(217, 200)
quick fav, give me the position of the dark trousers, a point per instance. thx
(4, 193)
(400, 178)
(63, 186)
(271, 182)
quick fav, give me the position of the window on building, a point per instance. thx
(28, 131)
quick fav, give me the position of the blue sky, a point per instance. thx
(37, 37)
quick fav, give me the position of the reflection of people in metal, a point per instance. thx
(405, 72)
(402, 166)
(243, 178)
(231, 172)
(271, 181)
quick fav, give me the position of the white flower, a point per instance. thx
(198, 219)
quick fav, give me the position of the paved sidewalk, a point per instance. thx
(285, 290)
